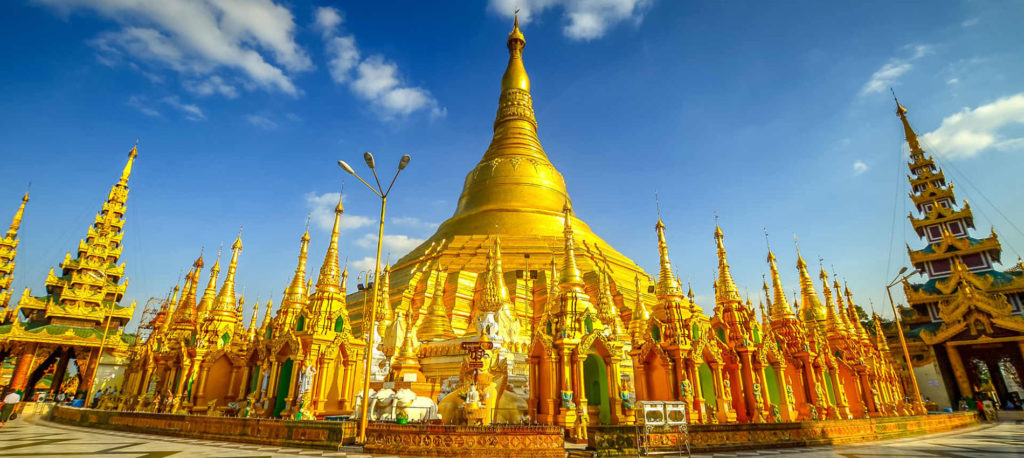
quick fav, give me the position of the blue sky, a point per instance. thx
(773, 115)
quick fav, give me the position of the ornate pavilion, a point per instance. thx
(964, 325)
(514, 310)
(80, 313)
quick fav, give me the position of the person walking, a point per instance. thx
(10, 402)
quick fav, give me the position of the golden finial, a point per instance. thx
(515, 74)
(726, 285)
(667, 284)
(127, 172)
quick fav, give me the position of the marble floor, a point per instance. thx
(45, 439)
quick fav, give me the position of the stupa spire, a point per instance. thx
(915, 147)
(295, 296)
(779, 306)
(330, 270)
(210, 294)
(16, 220)
(329, 296)
(436, 324)
(127, 172)
(812, 310)
(727, 290)
(186, 313)
(667, 284)
(225, 301)
(856, 325)
(641, 315)
(833, 322)
(570, 275)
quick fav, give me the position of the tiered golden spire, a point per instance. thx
(127, 172)
(779, 306)
(210, 294)
(185, 315)
(915, 147)
(295, 296)
(812, 311)
(570, 274)
(641, 316)
(847, 326)
(607, 312)
(250, 334)
(834, 324)
(329, 296)
(880, 341)
(8, 250)
(667, 283)
(436, 325)
(857, 327)
(12, 232)
(495, 295)
(224, 305)
(727, 291)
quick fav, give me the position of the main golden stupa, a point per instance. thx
(514, 192)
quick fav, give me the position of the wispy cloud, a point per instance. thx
(970, 22)
(585, 20)
(191, 111)
(201, 37)
(859, 167)
(262, 122)
(374, 79)
(210, 86)
(321, 212)
(891, 71)
(970, 131)
(141, 104)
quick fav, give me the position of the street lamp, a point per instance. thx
(918, 404)
(372, 322)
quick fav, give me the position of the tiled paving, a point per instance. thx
(1002, 440)
(44, 439)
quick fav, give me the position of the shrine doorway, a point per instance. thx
(595, 378)
(283, 386)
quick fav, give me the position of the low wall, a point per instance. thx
(33, 410)
(480, 441)
(309, 434)
(622, 440)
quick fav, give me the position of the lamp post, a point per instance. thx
(103, 343)
(371, 323)
(919, 408)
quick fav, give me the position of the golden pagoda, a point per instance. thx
(80, 312)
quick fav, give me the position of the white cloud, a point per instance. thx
(199, 37)
(322, 212)
(859, 167)
(413, 222)
(966, 133)
(191, 112)
(262, 122)
(210, 86)
(886, 76)
(585, 20)
(395, 246)
(376, 79)
(364, 264)
(141, 104)
(970, 22)
(952, 81)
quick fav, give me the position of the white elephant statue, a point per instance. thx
(382, 405)
(359, 405)
(417, 408)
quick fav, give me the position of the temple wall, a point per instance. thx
(931, 384)
(476, 441)
(622, 440)
(308, 434)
